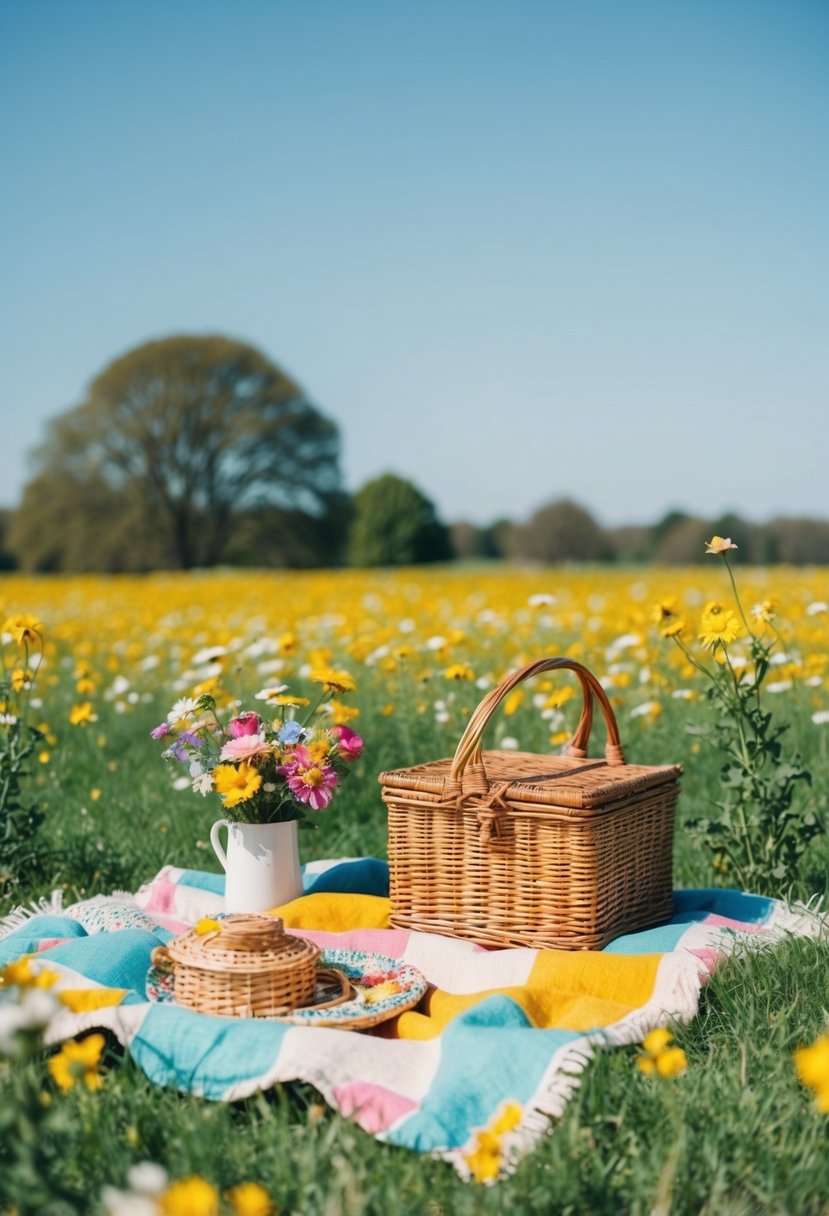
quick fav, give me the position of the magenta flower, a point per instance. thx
(246, 724)
(349, 744)
(313, 785)
(244, 747)
(159, 732)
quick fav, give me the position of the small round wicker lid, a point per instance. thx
(243, 943)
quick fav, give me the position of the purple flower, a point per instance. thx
(159, 732)
(188, 737)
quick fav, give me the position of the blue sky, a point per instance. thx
(517, 250)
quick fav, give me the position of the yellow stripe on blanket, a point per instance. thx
(84, 1000)
(576, 990)
(333, 912)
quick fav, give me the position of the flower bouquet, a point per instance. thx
(265, 770)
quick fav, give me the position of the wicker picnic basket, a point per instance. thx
(248, 967)
(516, 849)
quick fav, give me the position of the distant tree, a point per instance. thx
(630, 543)
(684, 543)
(7, 561)
(666, 524)
(562, 531)
(466, 540)
(800, 542)
(176, 443)
(394, 524)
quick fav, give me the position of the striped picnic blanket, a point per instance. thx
(495, 1026)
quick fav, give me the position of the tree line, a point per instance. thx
(198, 451)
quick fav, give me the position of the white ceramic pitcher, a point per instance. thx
(261, 864)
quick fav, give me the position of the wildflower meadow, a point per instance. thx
(723, 671)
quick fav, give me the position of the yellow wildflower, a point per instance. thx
(20, 973)
(559, 697)
(459, 671)
(512, 702)
(719, 544)
(95, 794)
(284, 699)
(250, 1199)
(84, 687)
(189, 1197)
(387, 710)
(80, 715)
(485, 1156)
(812, 1066)
(236, 784)
(673, 627)
(24, 628)
(21, 678)
(318, 751)
(665, 609)
(44, 757)
(718, 625)
(78, 1061)
(341, 712)
(661, 1055)
(333, 680)
(287, 643)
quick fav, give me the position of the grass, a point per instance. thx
(735, 1135)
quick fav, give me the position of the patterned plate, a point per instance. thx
(383, 987)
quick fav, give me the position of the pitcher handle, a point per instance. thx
(214, 840)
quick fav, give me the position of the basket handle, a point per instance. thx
(468, 775)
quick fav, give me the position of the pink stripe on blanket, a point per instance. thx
(374, 1107)
(391, 942)
(740, 926)
(46, 943)
(162, 895)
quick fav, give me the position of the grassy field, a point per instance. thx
(735, 1134)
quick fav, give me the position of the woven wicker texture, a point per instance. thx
(249, 967)
(545, 851)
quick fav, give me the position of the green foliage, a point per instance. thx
(21, 848)
(188, 435)
(395, 524)
(760, 834)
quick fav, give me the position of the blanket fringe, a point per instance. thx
(48, 905)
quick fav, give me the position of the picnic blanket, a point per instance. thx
(496, 1026)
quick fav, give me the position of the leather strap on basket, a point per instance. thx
(467, 776)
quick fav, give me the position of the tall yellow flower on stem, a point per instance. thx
(718, 625)
(25, 629)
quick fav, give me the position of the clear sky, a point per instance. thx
(517, 250)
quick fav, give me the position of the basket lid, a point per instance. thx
(564, 781)
(242, 942)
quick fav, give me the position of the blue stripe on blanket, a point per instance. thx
(477, 1070)
(365, 876)
(736, 905)
(116, 960)
(201, 1054)
(26, 939)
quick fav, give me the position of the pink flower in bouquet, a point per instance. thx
(246, 724)
(244, 747)
(311, 783)
(349, 744)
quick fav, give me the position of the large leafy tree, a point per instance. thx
(394, 524)
(179, 445)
